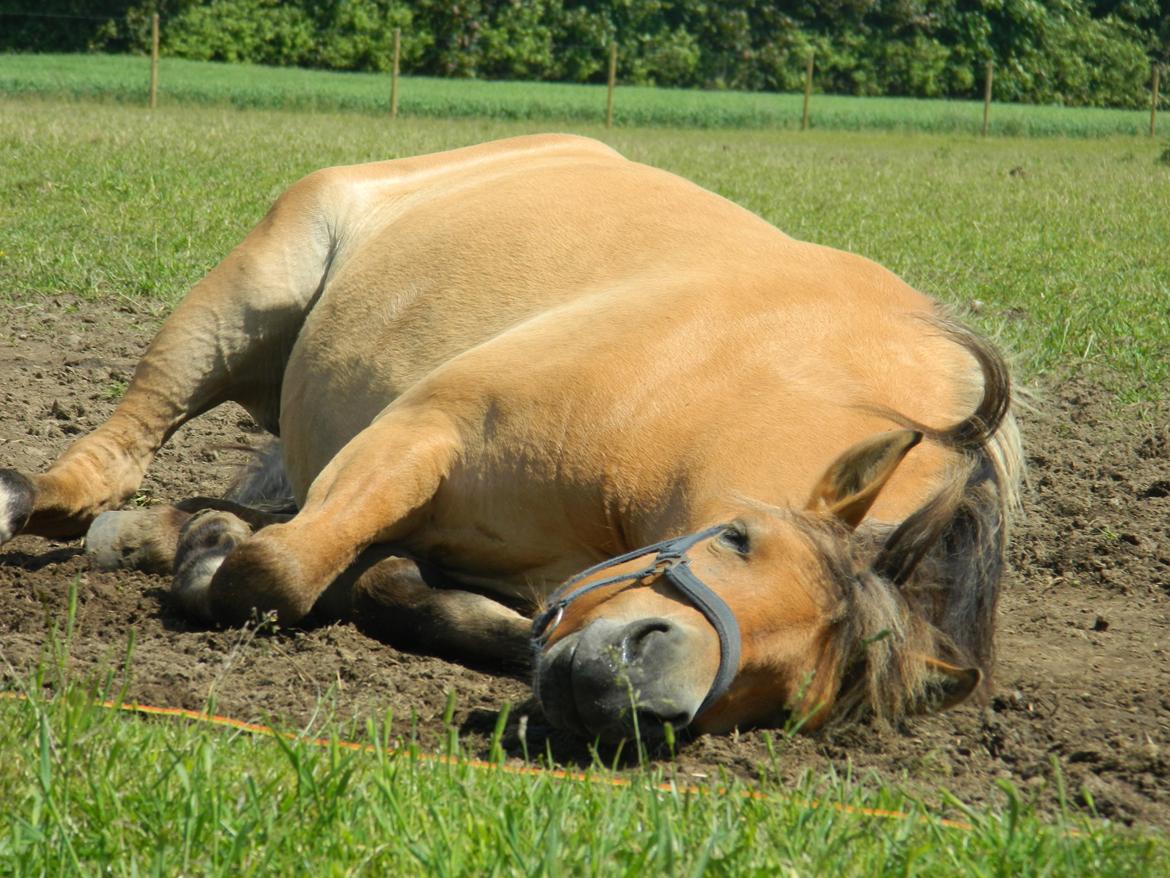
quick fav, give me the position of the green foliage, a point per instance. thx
(64, 25)
(1069, 52)
(340, 35)
(359, 35)
(518, 43)
(262, 31)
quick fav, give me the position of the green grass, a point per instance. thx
(88, 790)
(122, 78)
(1059, 246)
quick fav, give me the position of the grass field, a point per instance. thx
(124, 79)
(1056, 246)
(88, 790)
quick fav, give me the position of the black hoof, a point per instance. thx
(16, 503)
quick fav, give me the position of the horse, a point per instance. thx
(786, 475)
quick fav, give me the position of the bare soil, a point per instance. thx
(1083, 682)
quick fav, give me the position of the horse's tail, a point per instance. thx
(262, 482)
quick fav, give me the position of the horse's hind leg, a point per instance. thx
(136, 539)
(229, 339)
(148, 539)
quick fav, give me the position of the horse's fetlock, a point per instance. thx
(258, 578)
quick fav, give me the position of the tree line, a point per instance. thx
(1072, 52)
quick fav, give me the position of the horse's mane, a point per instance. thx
(929, 586)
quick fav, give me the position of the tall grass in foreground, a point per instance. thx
(89, 790)
(124, 78)
(1059, 247)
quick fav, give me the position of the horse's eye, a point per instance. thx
(735, 537)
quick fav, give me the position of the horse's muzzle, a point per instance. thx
(622, 680)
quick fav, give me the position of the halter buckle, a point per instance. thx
(553, 623)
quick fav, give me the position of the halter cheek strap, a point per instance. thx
(670, 561)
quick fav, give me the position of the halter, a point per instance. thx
(670, 560)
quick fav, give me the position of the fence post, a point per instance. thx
(987, 95)
(153, 60)
(394, 73)
(808, 76)
(1155, 75)
(612, 82)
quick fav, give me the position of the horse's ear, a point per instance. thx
(852, 483)
(948, 685)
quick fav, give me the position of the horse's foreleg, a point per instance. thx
(409, 605)
(374, 491)
(229, 339)
(206, 538)
(403, 602)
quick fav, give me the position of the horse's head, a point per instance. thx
(774, 617)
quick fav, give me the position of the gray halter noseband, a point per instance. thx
(670, 560)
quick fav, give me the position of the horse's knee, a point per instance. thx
(136, 539)
(17, 497)
(391, 599)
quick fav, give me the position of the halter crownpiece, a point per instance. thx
(670, 561)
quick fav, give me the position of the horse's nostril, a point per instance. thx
(640, 637)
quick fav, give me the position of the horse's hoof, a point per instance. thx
(135, 539)
(205, 541)
(191, 586)
(16, 503)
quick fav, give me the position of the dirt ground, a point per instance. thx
(1083, 680)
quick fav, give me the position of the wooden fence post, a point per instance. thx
(612, 82)
(987, 95)
(394, 73)
(153, 60)
(808, 76)
(1154, 75)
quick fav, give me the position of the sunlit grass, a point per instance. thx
(125, 78)
(88, 789)
(1059, 247)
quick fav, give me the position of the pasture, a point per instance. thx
(1055, 247)
(124, 79)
